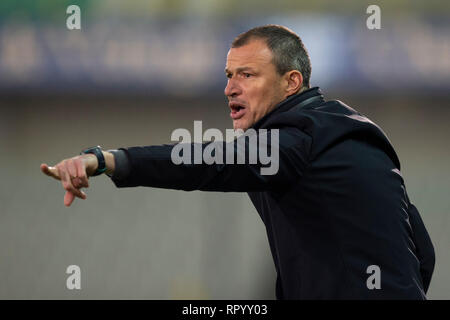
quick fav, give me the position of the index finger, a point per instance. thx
(50, 171)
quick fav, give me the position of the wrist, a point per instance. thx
(100, 164)
(109, 162)
(90, 162)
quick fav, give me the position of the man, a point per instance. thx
(338, 218)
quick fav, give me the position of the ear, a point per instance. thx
(294, 81)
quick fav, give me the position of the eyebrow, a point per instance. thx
(240, 69)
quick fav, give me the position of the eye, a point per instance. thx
(247, 75)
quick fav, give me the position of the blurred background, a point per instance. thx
(136, 71)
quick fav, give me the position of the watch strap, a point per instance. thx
(97, 151)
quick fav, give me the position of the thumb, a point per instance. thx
(50, 171)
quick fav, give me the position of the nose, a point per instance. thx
(232, 89)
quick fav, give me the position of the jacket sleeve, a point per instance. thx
(280, 161)
(424, 246)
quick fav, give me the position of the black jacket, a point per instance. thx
(336, 206)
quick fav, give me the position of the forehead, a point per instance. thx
(255, 53)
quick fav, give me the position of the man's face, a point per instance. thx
(254, 87)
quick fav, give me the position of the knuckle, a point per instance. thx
(71, 164)
(62, 166)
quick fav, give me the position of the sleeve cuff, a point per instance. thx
(122, 164)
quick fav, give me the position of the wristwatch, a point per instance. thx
(97, 151)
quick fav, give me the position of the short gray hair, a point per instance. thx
(287, 48)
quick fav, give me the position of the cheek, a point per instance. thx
(260, 96)
(257, 97)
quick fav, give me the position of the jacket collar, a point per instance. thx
(304, 100)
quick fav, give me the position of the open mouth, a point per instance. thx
(237, 111)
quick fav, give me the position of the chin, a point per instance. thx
(240, 126)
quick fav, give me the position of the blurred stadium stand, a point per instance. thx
(131, 48)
